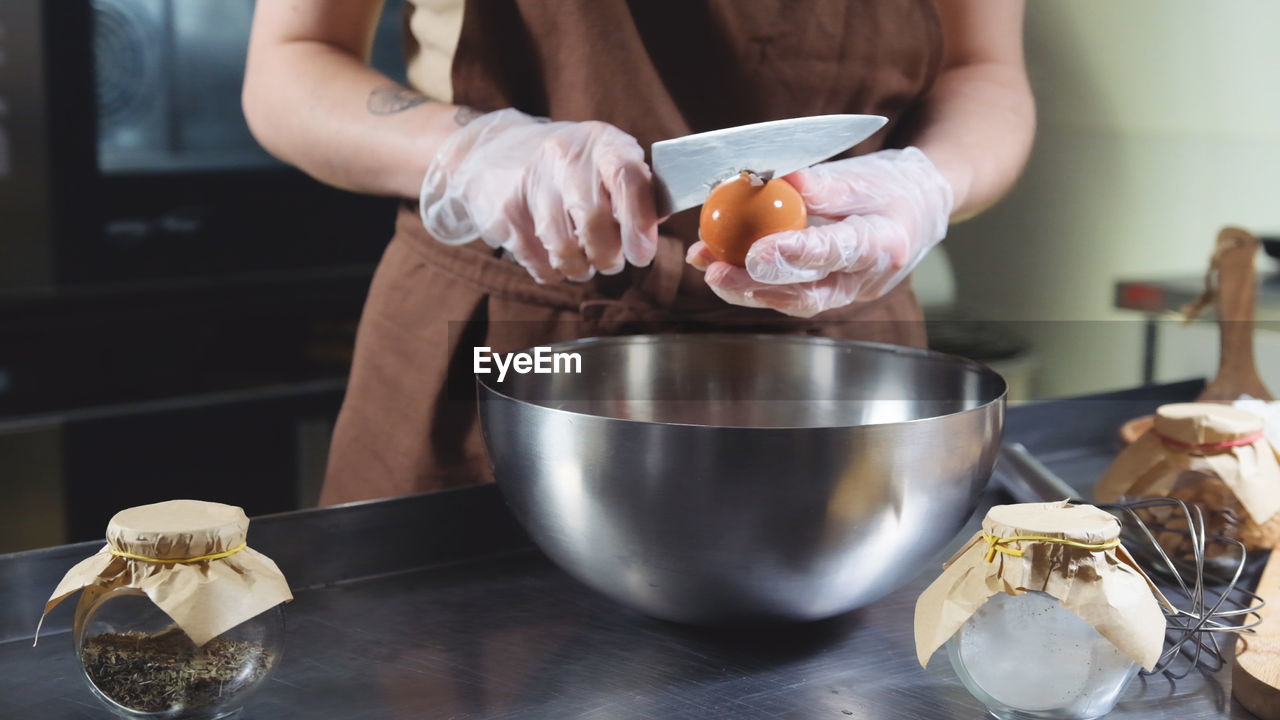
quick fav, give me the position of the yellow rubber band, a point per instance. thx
(182, 561)
(1001, 544)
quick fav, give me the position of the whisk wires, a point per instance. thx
(1208, 604)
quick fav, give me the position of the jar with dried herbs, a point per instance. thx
(178, 618)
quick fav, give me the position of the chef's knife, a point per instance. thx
(686, 168)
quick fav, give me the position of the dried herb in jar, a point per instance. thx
(160, 671)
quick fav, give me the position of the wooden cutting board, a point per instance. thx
(1237, 289)
(1255, 677)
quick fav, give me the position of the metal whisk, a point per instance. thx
(1206, 601)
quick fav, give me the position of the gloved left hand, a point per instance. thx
(873, 218)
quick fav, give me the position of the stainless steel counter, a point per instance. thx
(436, 607)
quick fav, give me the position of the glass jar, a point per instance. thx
(1209, 455)
(178, 616)
(1026, 657)
(1044, 614)
(141, 665)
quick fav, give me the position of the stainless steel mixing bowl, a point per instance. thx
(726, 478)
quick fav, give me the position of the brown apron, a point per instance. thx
(409, 422)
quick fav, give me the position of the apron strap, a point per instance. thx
(662, 282)
(649, 301)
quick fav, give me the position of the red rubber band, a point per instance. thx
(1224, 445)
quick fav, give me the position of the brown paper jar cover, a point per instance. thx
(1106, 588)
(204, 597)
(1209, 454)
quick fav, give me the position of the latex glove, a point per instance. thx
(565, 199)
(872, 218)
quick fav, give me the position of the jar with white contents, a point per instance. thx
(1044, 614)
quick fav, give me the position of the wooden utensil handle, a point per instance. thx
(1237, 293)
(1255, 676)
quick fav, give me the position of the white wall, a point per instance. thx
(1159, 123)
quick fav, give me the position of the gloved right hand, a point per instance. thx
(565, 199)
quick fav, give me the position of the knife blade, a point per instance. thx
(686, 168)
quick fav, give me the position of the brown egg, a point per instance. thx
(742, 210)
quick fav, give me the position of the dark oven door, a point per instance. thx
(124, 154)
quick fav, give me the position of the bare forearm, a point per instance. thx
(320, 108)
(977, 127)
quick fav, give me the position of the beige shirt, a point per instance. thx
(432, 40)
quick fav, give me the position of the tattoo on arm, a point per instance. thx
(392, 99)
(466, 114)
